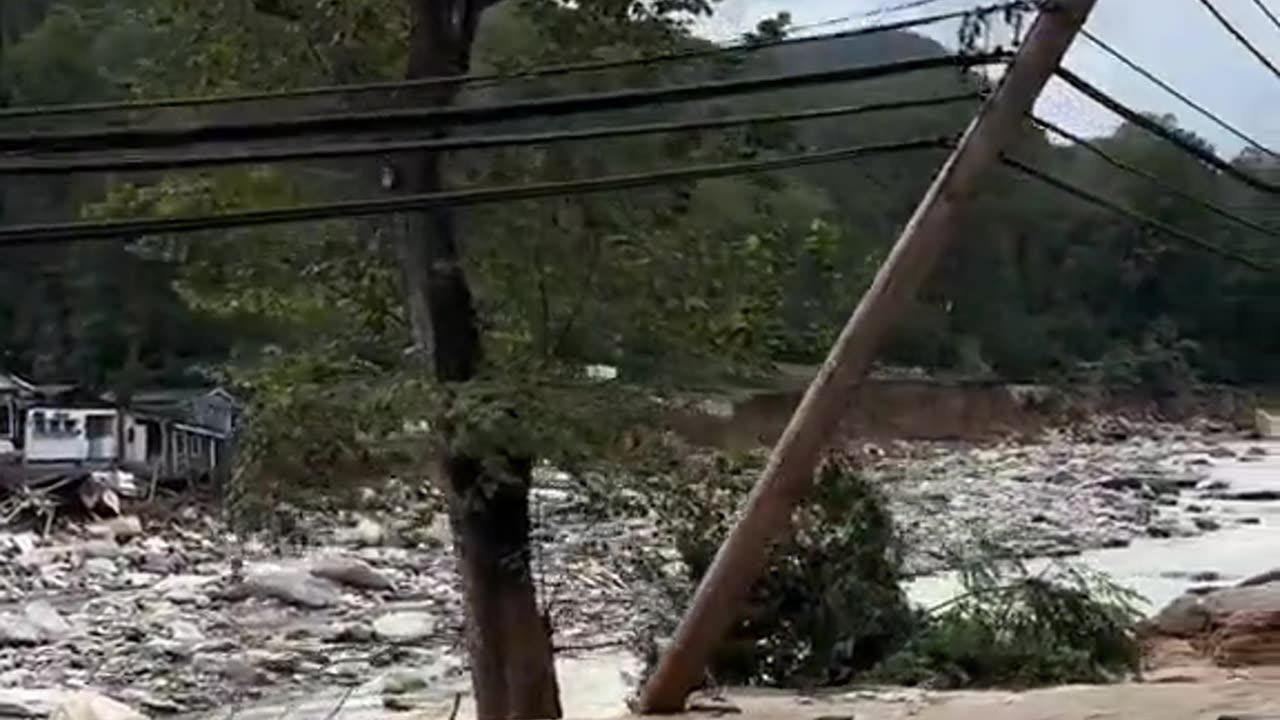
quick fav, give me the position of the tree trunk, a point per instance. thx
(509, 643)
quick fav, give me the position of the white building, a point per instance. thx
(169, 433)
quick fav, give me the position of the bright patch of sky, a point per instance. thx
(1177, 40)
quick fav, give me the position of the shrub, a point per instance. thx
(1012, 629)
(830, 608)
(829, 604)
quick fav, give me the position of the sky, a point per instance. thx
(1177, 40)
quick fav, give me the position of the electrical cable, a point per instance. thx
(1240, 37)
(1155, 80)
(89, 230)
(492, 78)
(418, 120)
(1151, 178)
(155, 161)
(1100, 201)
(1268, 12)
(1156, 128)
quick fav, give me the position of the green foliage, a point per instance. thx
(317, 430)
(1010, 628)
(829, 603)
(830, 608)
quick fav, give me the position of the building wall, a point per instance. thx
(213, 410)
(63, 434)
(134, 435)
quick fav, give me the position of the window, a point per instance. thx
(129, 436)
(38, 425)
(99, 426)
(6, 419)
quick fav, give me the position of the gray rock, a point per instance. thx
(185, 589)
(349, 633)
(120, 528)
(30, 703)
(365, 533)
(399, 682)
(99, 549)
(101, 567)
(404, 627)
(160, 563)
(295, 587)
(136, 696)
(18, 630)
(185, 631)
(401, 703)
(278, 662)
(1271, 576)
(86, 705)
(171, 649)
(1184, 617)
(1207, 524)
(1251, 598)
(46, 618)
(350, 571)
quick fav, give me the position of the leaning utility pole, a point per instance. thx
(767, 513)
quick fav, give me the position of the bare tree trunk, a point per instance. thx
(513, 674)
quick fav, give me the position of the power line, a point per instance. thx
(1156, 128)
(493, 78)
(1240, 37)
(135, 163)
(1268, 12)
(1152, 78)
(1141, 218)
(74, 231)
(1153, 179)
(420, 120)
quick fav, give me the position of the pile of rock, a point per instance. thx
(1055, 497)
(180, 614)
(1235, 626)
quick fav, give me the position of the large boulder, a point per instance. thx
(296, 587)
(1234, 626)
(30, 702)
(85, 705)
(1254, 598)
(1247, 638)
(46, 618)
(350, 571)
(18, 630)
(404, 627)
(1185, 617)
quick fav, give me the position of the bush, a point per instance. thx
(830, 609)
(829, 604)
(316, 430)
(1012, 629)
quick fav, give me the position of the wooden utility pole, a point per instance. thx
(767, 513)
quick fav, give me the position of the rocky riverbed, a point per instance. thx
(1063, 495)
(175, 613)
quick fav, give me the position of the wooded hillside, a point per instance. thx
(685, 283)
